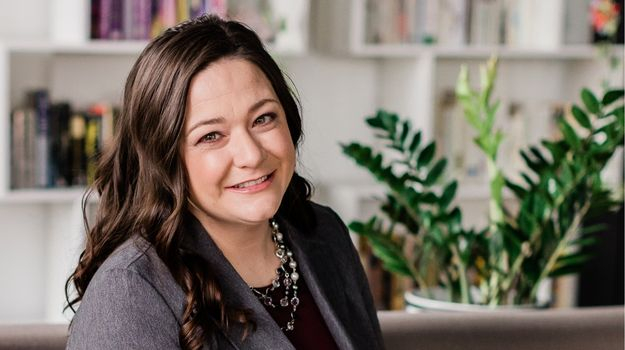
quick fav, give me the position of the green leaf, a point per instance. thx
(563, 271)
(587, 230)
(527, 179)
(519, 191)
(574, 259)
(569, 134)
(429, 198)
(426, 155)
(557, 149)
(618, 112)
(436, 172)
(398, 268)
(448, 194)
(566, 175)
(356, 227)
(584, 242)
(590, 101)
(416, 141)
(611, 96)
(530, 163)
(375, 122)
(526, 223)
(389, 120)
(406, 126)
(581, 117)
(538, 154)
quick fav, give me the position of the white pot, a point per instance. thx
(417, 302)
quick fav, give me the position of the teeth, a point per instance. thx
(251, 183)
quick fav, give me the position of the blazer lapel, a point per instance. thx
(268, 334)
(324, 284)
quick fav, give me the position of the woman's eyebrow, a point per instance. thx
(212, 121)
(261, 103)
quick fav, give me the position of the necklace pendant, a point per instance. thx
(284, 302)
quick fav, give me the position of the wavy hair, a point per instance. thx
(141, 180)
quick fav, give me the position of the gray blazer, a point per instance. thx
(133, 302)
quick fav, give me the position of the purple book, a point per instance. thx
(116, 20)
(104, 19)
(142, 23)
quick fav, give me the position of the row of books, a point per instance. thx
(522, 23)
(145, 19)
(54, 146)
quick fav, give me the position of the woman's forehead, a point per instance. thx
(227, 76)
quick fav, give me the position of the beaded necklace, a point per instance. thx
(286, 275)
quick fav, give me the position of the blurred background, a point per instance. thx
(63, 64)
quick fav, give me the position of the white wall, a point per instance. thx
(24, 19)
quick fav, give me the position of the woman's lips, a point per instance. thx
(254, 185)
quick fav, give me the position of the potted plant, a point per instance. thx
(419, 232)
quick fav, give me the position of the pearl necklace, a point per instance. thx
(283, 277)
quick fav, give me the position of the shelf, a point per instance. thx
(96, 47)
(43, 196)
(102, 47)
(572, 52)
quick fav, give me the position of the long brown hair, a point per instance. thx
(141, 180)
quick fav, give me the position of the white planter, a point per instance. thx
(416, 302)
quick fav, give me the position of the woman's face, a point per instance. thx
(237, 149)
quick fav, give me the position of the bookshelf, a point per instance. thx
(82, 71)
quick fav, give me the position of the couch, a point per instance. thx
(555, 329)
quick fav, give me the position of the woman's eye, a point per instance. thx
(264, 119)
(210, 137)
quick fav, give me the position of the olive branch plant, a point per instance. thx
(418, 232)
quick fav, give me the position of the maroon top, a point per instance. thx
(311, 331)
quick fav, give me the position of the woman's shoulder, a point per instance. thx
(129, 289)
(135, 262)
(326, 215)
(328, 221)
(135, 255)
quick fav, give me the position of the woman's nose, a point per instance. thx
(247, 151)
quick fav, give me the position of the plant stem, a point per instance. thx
(573, 228)
(462, 272)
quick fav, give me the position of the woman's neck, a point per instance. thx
(248, 248)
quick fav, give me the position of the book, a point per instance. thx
(77, 162)
(38, 100)
(59, 144)
(485, 22)
(451, 29)
(18, 149)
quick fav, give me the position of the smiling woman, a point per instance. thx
(205, 235)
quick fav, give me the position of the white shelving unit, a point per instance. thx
(349, 80)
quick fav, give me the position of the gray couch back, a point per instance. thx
(552, 329)
(573, 329)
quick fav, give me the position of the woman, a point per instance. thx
(205, 234)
